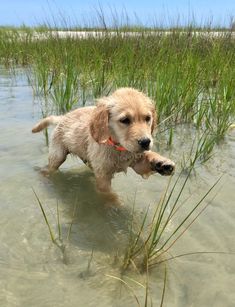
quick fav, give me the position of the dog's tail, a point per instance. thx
(44, 123)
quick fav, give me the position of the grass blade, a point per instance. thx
(45, 217)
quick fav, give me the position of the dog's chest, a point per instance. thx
(120, 161)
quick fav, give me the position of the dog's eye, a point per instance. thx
(125, 120)
(148, 118)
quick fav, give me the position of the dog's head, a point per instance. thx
(128, 117)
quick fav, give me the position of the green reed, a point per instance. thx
(59, 239)
(189, 75)
(151, 240)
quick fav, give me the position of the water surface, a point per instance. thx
(34, 272)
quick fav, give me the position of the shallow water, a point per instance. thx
(34, 272)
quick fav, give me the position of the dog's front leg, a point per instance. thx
(151, 162)
(103, 186)
(103, 183)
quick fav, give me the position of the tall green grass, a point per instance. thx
(152, 238)
(59, 239)
(189, 75)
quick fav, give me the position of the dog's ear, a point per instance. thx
(99, 124)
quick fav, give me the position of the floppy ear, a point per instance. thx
(99, 124)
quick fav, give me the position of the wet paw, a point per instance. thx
(163, 167)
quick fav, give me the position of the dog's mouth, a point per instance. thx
(136, 149)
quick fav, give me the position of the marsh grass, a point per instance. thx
(56, 235)
(189, 75)
(130, 288)
(146, 297)
(201, 151)
(152, 239)
(151, 243)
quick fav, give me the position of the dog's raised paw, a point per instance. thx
(163, 167)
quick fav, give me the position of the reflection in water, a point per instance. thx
(95, 225)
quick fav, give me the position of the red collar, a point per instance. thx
(118, 147)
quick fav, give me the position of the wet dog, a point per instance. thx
(110, 137)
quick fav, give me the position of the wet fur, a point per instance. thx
(84, 132)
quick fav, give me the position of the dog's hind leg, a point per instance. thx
(57, 155)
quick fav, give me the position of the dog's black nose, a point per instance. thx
(144, 143)
(168, 168)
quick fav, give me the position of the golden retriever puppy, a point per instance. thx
(110, 137)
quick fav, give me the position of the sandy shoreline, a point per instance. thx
(100, 34)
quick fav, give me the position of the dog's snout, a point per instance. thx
(144, 143)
